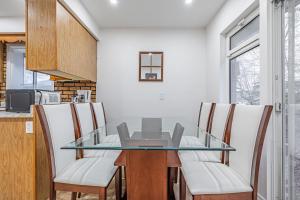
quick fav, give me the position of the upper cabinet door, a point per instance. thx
(58, 44)
(77, 49)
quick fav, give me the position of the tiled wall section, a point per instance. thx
(68, 89)
(3, 85)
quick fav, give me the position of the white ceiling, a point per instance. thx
(152, 13)
(12, 8)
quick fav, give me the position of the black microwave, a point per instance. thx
(20, 100)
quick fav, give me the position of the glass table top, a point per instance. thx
(107, 138)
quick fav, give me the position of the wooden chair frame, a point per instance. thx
(101, 191)
(95, 118)
(209, 120)
(255, 165)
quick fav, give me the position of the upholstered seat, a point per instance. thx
(190, 141)
(112, 154)
(204, 156)
(213, 178)
(113, 139)
(88, 172)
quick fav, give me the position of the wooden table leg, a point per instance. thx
(147, 175)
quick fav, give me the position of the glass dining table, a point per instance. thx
(149, 157)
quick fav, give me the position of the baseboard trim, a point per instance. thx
(260, 197)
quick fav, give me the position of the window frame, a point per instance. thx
(243, 47)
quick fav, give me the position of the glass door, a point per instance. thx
(291, 99)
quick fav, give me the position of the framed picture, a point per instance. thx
(151, 66)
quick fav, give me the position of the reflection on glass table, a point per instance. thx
(193, 138)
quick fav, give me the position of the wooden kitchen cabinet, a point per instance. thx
(24, 168)
(57, 43)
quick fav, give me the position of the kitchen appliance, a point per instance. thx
(20, 100)
(84, 96)
(48, 97)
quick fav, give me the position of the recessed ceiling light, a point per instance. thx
(188, 2)
(114, 2)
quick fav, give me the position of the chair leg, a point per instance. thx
(102, 194)
(118, 184)
(52, 192)
(176, 176)
(53, 195)
(171, 174)
(74, 195)
(182, 187)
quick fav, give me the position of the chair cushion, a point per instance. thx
(114, 139)
(187, 141)
(110, 140)
(111, 154)
(89, 172)
(213, 178)
(204, 156)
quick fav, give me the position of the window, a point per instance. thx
(37, 80)
(18, 77)
(244, 61)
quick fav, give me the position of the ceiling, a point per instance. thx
(152, 13)
(12, 8)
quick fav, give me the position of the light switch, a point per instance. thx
(162, 96)
(29, 127)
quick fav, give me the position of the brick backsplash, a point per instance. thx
(66, 88)
(3, 84)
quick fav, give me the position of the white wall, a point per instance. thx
(184, 85)
(12, 25)
(229, 14)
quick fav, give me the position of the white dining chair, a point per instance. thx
(86, 124)
(204, 124)
(86, 175)
(177, 134)
(238, 178)
(123, 133)
(100, 118)
(151, 125)
(220, 119)
(99, 113)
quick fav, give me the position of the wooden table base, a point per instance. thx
(147, 173)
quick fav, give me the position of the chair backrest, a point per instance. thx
(219, 120)
(85, 118)
(58, 128)
(123, 133)
(151, 125)
(99, 114)
(177, 134)
(247, 135)
(205, 114)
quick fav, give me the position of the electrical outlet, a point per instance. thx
(29, 127)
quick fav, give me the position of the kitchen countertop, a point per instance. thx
(4, 114)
